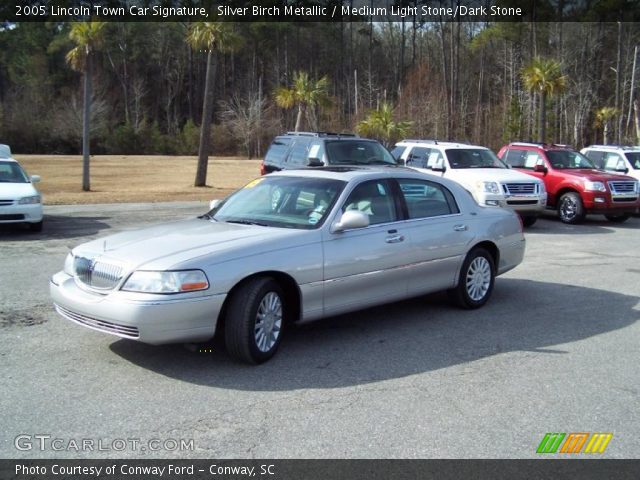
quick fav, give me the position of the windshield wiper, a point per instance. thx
(247, 222)
(207, 216)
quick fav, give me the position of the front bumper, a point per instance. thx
(522, 204)
(21, 213)
(605, 204)
(157, 320)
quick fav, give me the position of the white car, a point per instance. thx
(478, 169)
(615, 159)
(20, 202)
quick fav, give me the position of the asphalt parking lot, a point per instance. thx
(556, 349)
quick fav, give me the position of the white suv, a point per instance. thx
(615, 159)
(478, 169)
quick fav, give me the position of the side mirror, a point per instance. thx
(315, 162)
(621, 168)
(540, 168)
(351, 219)
(35, 178)
(438, 166)
(214, 203)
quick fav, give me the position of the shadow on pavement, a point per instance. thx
(57, 227)
(405, 338)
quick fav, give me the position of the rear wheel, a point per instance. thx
(529, 220)
(570, 208)
(623, 217)
(476, 280)
(254, 321)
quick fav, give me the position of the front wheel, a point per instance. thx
(570, 208)
(476, 280)
(623, 217)
(254, 321)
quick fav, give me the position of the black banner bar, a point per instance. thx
(136, 469)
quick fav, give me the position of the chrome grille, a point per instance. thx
(4, 203)
(101, 325)
(519, 188)
(621, 187)
(96, 274)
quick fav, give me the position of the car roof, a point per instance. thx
(349, 173)
(5, 151)
(620, 148)
(541, 146)
(436, 143)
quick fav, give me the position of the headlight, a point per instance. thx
(29, 200)
(488, 187)
(166, 282)
(594, 186)
(68, 265)
(541, 188)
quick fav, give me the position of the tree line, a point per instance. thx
(485, 83)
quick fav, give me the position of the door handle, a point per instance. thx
(460, 228)
(395, 239)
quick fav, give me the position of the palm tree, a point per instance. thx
(379, 124)
(212, 37)
(304, 93)
(603, 119)
(88, 37)
(543, 76)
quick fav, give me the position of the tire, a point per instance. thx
(529, 220)
(36, 227)
(623, 217)
(477, 277)
(570, 208)
(247, 338)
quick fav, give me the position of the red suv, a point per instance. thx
(574, 186)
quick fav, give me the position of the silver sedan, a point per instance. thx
(290, 247)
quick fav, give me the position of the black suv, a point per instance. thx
(317, 149)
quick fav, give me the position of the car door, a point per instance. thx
(366, 266)
(439, 232)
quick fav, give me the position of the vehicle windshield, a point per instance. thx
(11, 172)
(358, 152)
(473, 158)
(285, 202)
(634, 159)
(566, 159)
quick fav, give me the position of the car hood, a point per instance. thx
(179, 244)
(594, 175)
(13, 191)
(488, 175)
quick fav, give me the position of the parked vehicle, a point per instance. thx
(615, 159)
(317, 149)
(20, 202)
(574, 185)
(478, 169)
(293, 246)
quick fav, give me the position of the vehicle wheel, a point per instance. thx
(623, 217)
(476, 280)
(36, 227)
(570, 208)
(529, 220)
(254, 321)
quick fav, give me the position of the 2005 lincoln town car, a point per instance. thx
(292, 246)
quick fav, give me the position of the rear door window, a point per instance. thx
(277, 151)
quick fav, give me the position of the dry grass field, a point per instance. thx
(135, 178)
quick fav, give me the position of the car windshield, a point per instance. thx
(473, 158)
(566, 159)
(285, 202)
(634, 159)
(358, 152)
(11, 172)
